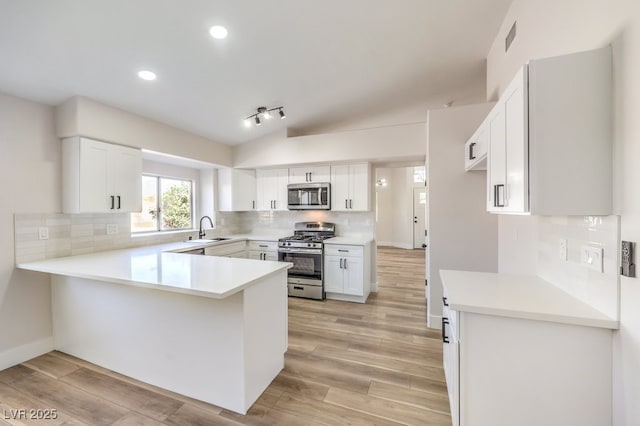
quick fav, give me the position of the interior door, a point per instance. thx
(419, 214)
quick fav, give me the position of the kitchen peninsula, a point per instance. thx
(212, 328)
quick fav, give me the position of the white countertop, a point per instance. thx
(159, 268)
(354, 241)
(518, 296)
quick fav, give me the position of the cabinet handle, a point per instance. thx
(310, 178)
(346, 203)
(295, 287)
(345, 264)
(262, 245)
(471, 155)
(343, 250)
(341, 263)
(445, 338)
(350, 204)
(444, 301)
(263, 256)
(275, 204)
(496, 195)
(119, 204)
(113, 202)
(253, 204)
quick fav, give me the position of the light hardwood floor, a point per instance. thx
(347, 364)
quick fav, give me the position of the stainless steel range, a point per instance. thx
(305, 250)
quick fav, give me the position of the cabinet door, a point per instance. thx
(353, 276)
(126, 176)
(264, 187)
(255, 255)
(245, 195)
(270, 255)
(95, 188)
(359, 185)
(496, 170)
(517, 142)
(280, 197)
(333, 274)
(340, 188)
(310, 174)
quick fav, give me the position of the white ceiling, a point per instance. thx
(326, 60)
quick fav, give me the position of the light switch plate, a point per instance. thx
(43, 233)
(112, 229)
(592, 257)
(563, 253)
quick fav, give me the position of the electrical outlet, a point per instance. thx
(43, 233)
(112, 229)
(592, 257)
(563, 249)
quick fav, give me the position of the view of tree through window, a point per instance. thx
(167, 204)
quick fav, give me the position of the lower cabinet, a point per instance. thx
(506, 371)
(347, 272)
(262, 250)
(233, 249)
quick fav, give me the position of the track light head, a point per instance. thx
(281, 113)
(258, 122)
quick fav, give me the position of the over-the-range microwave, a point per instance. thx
(309, 196)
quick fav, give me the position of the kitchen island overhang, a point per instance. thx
(211, 328)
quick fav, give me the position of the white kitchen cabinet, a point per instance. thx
(476, 148)
(271, 187)
(350, 187)
(310, 174)
(227, 249)
(532, 356)
(262, 250)
(236, 190)
(99, 177)
(347, 273)
(550, 138)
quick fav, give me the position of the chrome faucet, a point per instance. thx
(201, 234)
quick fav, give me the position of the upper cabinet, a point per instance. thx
(350, 187)
(310, 174)
(272, 189)
(550, 140)
(236, 190)
(99, 177)
(476, 148)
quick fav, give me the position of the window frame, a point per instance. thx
(158, 229)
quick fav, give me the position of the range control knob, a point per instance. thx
(308, 244)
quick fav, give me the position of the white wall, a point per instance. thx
(85, 117)
(462, 235)
(31, 175)
(548, 28)
(391, 143)
(394, 221)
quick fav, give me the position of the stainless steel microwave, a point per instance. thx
(309, 196)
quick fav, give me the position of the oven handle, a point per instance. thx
(299, 250)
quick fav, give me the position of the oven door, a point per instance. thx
(309, 196)
(307, 264)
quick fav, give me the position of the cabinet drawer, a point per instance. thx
(225, 249)
(262, 245)
(343, 250)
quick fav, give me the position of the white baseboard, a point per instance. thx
(24, 353)
(394, 244)
(434, 321)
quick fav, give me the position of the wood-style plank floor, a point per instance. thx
(347, 364)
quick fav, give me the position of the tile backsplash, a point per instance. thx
(74, 234)
(598, 289)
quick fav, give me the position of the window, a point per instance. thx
(419, 174)
(167, 204)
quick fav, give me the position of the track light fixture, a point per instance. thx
(263, 113)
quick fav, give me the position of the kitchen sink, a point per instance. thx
(207, 240)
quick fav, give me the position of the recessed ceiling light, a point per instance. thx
(218, 32)
(147, 75)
